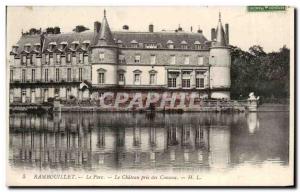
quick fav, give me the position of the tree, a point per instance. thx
(265, 74)
(80, 28)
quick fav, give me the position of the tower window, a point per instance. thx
(152, 78)
(137, 59)
(101, 57)
(101, 78)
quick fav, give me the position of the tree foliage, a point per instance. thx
(80, 28)
(265, 74)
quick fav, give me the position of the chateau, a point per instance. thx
(84, 65)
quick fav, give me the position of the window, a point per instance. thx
(58, 59)
(11, 75)
(137, 59)
(47, 59)
(31, 59)
(171, 46)
(212, 60)
(200, 60)
(69, 75)
(46, 75)
(197, 46)
(51, 59)
(68, 57)
(80, 74)
(186, 83)
(23, 75)
(172, 82)
(184, 46)
(151, 45)
(186, 79)
(134, 44)
(121, 58)
(152, 59)
(74, 58)
(152, 78)
(137, 79)
(33, 75)
(56, 75)
(121, 77)
(172, 59)
(101, 78)
(199, 82)
(56, 92)
(101, 56)
(81, 58)
(172, 79)
(24, 59)
(186, 60)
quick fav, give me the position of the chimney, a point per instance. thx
(179, 28)
(151, 28)
(191, 28)
(227, 33)
(213, 34)
(97, 26)
(125, 27)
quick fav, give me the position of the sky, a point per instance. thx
(271, 30)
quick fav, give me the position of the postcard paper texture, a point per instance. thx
(150, 96)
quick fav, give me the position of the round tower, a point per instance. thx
(104, 56)
(220, 62)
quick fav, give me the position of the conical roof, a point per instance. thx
(105, 37)
(220, 34)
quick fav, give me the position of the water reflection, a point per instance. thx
(94, 141)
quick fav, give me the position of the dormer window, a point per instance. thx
(85, 44)
(63, 45)
(197, 45)
(183, 45)
(134, 44)
(27, 47)
(52, 46)
(151, 45)
(24, 59)
(74, 45)
(15, 48)
(119, 43)
(170, 44)
(37, 47)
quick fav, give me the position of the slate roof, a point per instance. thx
(125, 37)
(162, 38)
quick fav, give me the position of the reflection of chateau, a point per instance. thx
(83, 65)
(90, 141)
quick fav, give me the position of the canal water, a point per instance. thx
(189, 142)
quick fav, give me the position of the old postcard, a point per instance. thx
(150, 96)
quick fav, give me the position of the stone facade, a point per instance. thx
(82, 66)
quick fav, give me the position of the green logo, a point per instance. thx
(265, 8)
